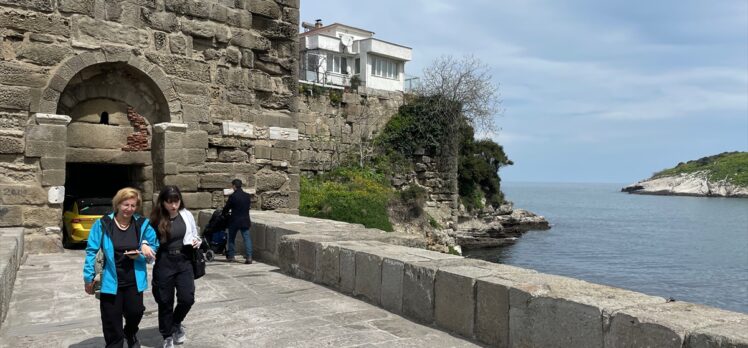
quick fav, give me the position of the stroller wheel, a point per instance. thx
(209, 256)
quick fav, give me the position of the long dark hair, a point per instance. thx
(160, 216)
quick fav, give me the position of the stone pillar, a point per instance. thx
(46, 139)
(177, 154)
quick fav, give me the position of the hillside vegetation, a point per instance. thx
(730, 166)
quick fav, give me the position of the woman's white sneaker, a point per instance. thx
(179, 334)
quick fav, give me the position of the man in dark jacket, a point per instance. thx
(237, 210)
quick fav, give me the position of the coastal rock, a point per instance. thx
(493, 228)
(691, 184)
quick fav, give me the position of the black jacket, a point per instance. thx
(237, 210)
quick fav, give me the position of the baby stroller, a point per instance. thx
(214, 236)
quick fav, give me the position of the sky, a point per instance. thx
(592, 91)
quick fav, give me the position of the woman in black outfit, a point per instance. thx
(177, 233)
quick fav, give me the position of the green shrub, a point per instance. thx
(732, 166)
(413, 198)
(348, 194)
(434, 223)
(478, 171)
(336, 97)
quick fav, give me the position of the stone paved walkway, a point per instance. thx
(237, 306)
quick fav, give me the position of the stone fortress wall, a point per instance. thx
(330, 133)
(197, 92)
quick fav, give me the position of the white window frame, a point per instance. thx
(336, 64)
(385, 68)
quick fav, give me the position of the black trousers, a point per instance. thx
(172, 272)
(127, 303)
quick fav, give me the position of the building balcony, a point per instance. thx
(383, 48)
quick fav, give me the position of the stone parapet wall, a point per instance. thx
(500, 305)
(11, 258)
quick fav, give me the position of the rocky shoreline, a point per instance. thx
(492, 228)
(691, 184)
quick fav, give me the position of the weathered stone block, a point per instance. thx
(734, 334)
(194, 156)
(232, 156)
(278, 133)
(195, 8)
(184, 182)
(196, 140)
(492, 311)
(215, 181)
(327, 269)
(291, 15)
(182, 67)
(178, 44)
(53, 163)
(347, 270)
(665, 324)
(265, 8)
(205, 30)
(12, 73)
(53, 177)
(368, 276)
(11, 215)
(95, 31)
(41, 216)
(249, 39)
(289, 3)
(164, 21)
(270, 180)
(13, 120)
(40, 5)
(418, 291)
(392, 285)
(45, 148)
(308, 257)
(33, 22)
(195, 113)
(15, 97)
(47, 133)
(288, 255)
(11, 144)
(77, 6)
(239, 129)
(257, 231)
(197, 200)
(22, 194)
(454, 301)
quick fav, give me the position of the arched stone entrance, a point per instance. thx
(111, 107)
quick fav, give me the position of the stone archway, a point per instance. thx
(49, 99)
(134, 95)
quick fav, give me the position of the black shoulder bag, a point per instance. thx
(198, 263)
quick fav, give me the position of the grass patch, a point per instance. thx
(730, 166)
(348, 194)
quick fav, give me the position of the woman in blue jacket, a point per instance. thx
(127, 240)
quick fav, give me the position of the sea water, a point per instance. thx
(692, 249)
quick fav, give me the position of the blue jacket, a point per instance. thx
(109, 275)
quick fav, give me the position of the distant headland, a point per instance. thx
(722, 175)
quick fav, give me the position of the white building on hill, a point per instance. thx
(336, 54)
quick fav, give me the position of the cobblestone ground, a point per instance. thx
(237, 305)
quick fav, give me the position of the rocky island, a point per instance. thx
(722, 175)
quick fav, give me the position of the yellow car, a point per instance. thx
(80, 216)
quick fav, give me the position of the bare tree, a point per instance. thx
(464, 83)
